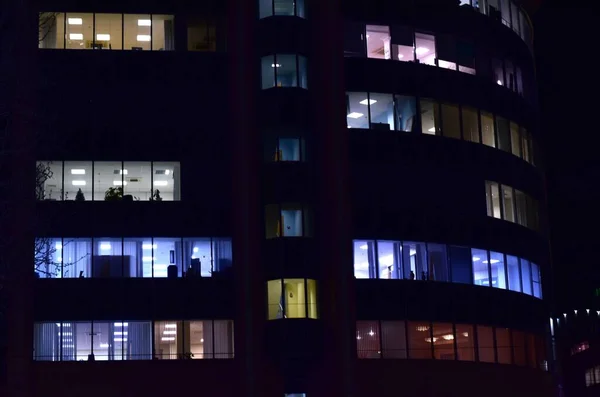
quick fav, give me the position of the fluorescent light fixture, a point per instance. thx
(147, 258)
(588, 311)
(161, 183)
(364, 247)
(432, 129)
(75, 21)
(358, 337)
(77, 171)
(170, 325)
(120, 339)
(422, 50)
(149, 246)
(144, 22)
(75, 36)
(103, 345)
(413, 252)
(476, 258)
(367, 101)
(400, 56)
(575, 312)
(168, 332)
(121, 324)
(499, 82)
(78, 183)
(156, 267)
(465, 334)
(448, 337)
(355, 115)
(492, 261)
(143, 37)
(168, 338)
(195, 249)
(167, 172)
(105, 246)
(58, 246)
(201, 340)
(103, 37)
(275, 65)
(120, 183)
(368, 36)
(120, 332)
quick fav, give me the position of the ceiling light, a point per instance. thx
(120, 339)
(355, 115)
(120, 332)
(448, 337)
(75, 21)
(58, 246)
(465, 334)
(77, 171)
(143, 37)
(147, 258)
(422, 50)
(148, 246)
(367, 36)
(120, 183)
(476, 258)
(167, 338)
(367, 101)
(144, 22)
(431, 340)
(105, 246)
(103, 345)
(275, 65)
(170, 325)
(371, 333)
(364, 247)
(167, 172)
(75, 36)
(161, 183)
(195, 249)
(78, 183)
(400, 56)
(492, 261)
(123, 172)
(167, 332)
(499, 82)
(121, 324)
(432, 129)
(102, 37)
(201, 340)
(413, 252)
(422, 328)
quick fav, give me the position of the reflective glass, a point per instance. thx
(503, 345)
(487, 129)
(108, 257)
(485, 344)
(137, 180)
(464, 342)
(166, 181)
(451, 121)
(76, 258)
(419, 340)
(168, 340)
(425, 48)
(389, 256)
(443, 341)
(514, 274)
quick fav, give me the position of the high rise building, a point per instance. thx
(278, 198)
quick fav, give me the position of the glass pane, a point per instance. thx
(443, 341)
(201, 34)
(265, 8)
(267, 67)
(291, 220)
(163, 32)
(511, 78)
(138, 32)
(357, 111)
(166, 181)
(508, 203)
(364, 259)
(503, 345)
(284, 7)
(368, 343)
(286, 72)
(303, 71)
(514, 11)
(536, 280)
(485, 344)
(495, 200)
(393, 336)
(518, 341)
(78, 180)
(487, 129)
(49, 180)
(515, 140)
(526, 276)
(77, 257)
(294, 298)
(502, 127)
(223, 338)
(425, 48)
(288, 150)
(451, 121)
(480, 267)
(76, 341)
(521, 204)
(497, 270)
(378, 42)
(222, 255)
(137, 257)
(51, 32)
(465, 342)
(514, 276)
(139, 340)
(274, 299)
(198, 339)
(460, 261)
(272, 221)
(168, 341)
(311, 297)
(109, 32)
(197, 257)
(108, 180)
(381, 107)
(388, 253)
(470, 124)
(137, 181)
(108, 341)
(48, 257)
(406, 110)
(46, 341)
(498, 71)
(300, 9)
(108, 258)
(414, 257)
(525, 145)
(419, 340)
(79, 31)
(438, 262)
(430, 117)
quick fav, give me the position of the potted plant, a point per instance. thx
(113, 194)
(79, 196)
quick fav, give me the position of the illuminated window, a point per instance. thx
(292, 298)
(578, 348)
(287, 220)
(284, 70)
(269, 8)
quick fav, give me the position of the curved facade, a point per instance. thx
(285, 198)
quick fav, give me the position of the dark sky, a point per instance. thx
(567, 43)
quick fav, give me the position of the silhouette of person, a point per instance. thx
(412, 275)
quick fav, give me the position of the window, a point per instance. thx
(525, 145)
(521, 205)
(378, 42)
(526, 276)
(284, 70)
(430, 117)
(197, 257)
(419, 340)
(497, 270)
(364, 259)
(470, 119)
(77, 178)
(515, 139)
(79, 31)
(357, 110)
(403, 43)
(492, 199)
(451, 121)
(481, 274)
(49, 180)
(578, 348)
(76, 257)
(201, 34)
(108, 32)
(503, 130)
(138, 32)
(393, 336)
(287, 220)
(288, 298)
(503, 345)
(516, 206)
(269, 8)
(381, 111)
(414, 257)
(466, 57)
(485, 342)
(536, 280)
(460, 264)
(514, 11)
(289, 149)
(443, 341)
(389, 256)
(514, 275)
(487, 129)
(48, 257)
(511, 77)
(51, 30)
(136, 180)
(518, 342)
(405, 113)
(438, 262)
(508, 203)
(354, 39)
(193, 339)
(498, 71)
(465, 345)
(163, 33)
(368, 343)
(425, 48)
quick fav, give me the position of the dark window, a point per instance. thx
(460, 263)
(393, 339)
(485, 343)
(419, 339)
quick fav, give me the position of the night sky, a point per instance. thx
(568, 72)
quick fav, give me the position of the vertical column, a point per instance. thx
(333, 220)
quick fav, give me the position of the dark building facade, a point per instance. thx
(280, 197)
